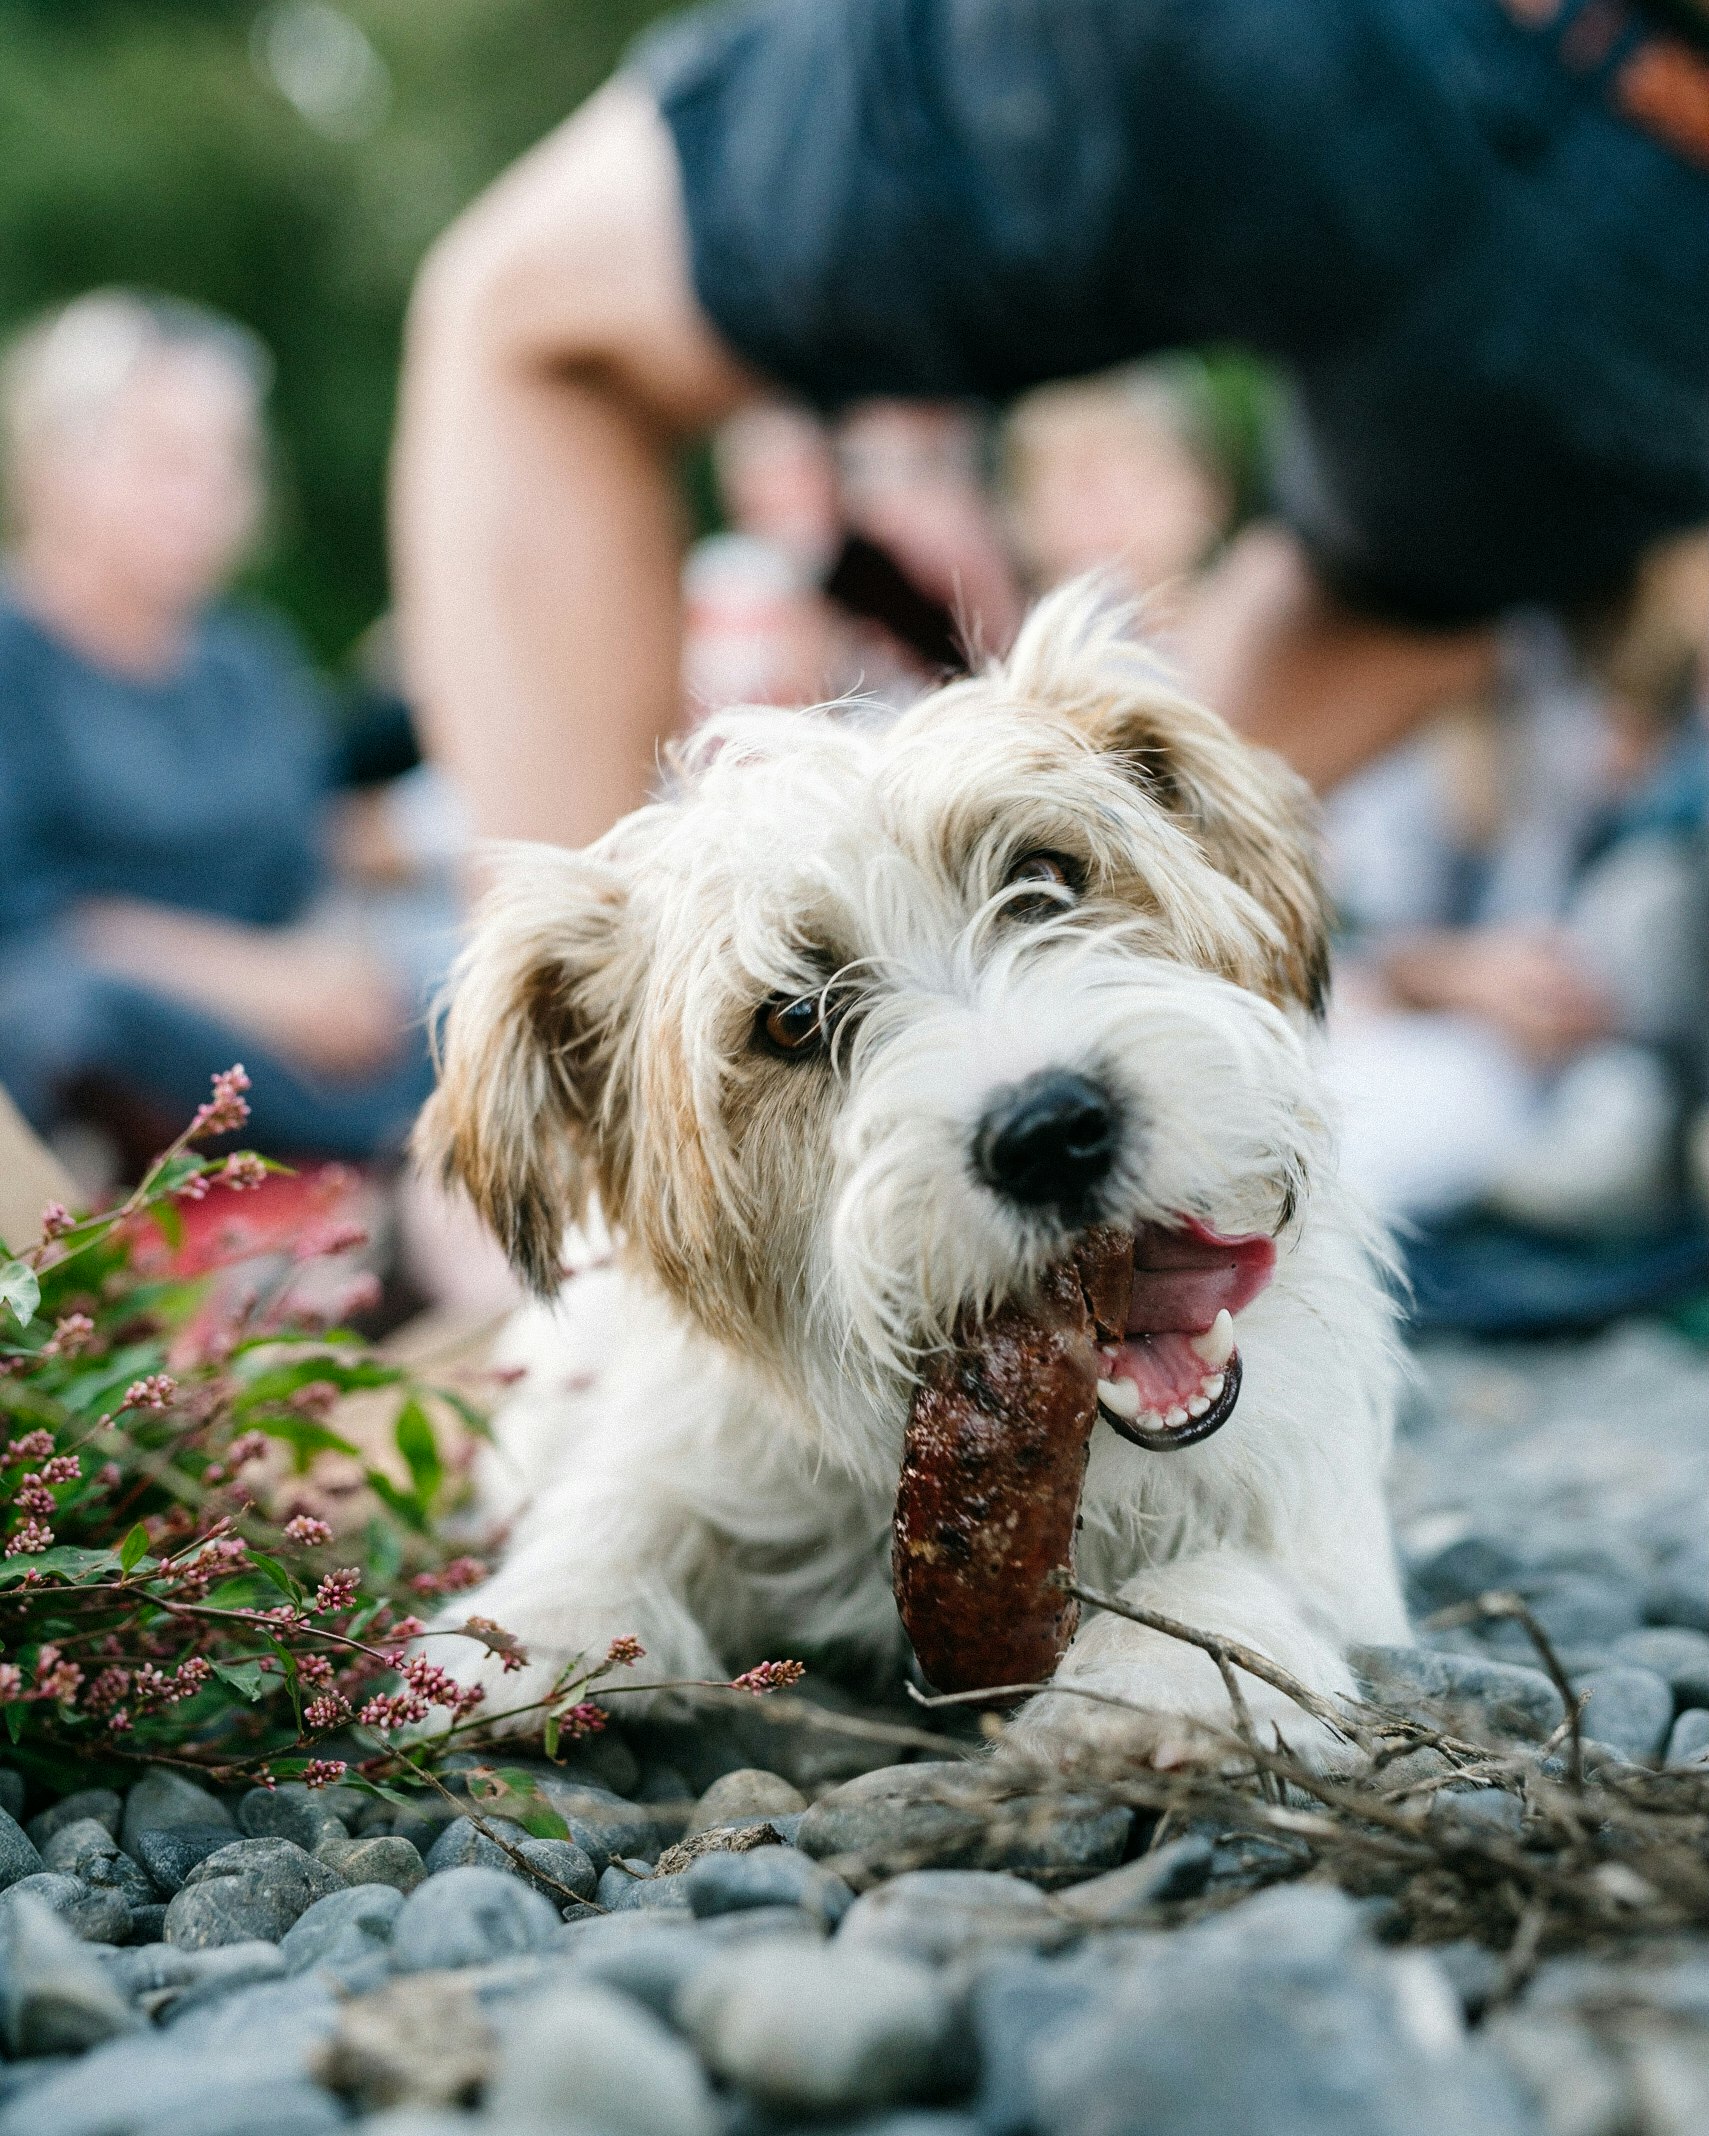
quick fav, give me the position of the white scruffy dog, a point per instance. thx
(852, 1034)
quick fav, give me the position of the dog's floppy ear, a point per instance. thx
(1252, 815)
(523, 1052)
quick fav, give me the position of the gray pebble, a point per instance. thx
(1478, 1812)
(88, 1850)
(935, 1915)
(1277, 2016)
(1473, 1973)
(12, 1792)
(463, 1845)
(170, 1855)
(1679, 1594)
(630, 1886)
(146, 1968)
(1689, 1738)
(765, 1876)
(585, 2057)
(289, 1811)
(1015, 2003)
(1180, 1869)
(1474, 1697)
(469, 1917)
(97, 1914)
(381, 1858)
(422, 1824)
(293, 2107)
(222, 1970)
(370, 1909)
(950, 1814)
(1628, 1708)
(252, 1888)
(821, 2027)
(55, 1996)
(162, 1800)
(18, 1853)
(749, 1795)
(101, 1803)
(1678, 1655)
(136, 2084)
(604, 1826)
(558, 1863)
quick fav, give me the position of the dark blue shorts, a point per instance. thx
(1490, 292)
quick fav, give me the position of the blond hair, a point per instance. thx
(64, 373)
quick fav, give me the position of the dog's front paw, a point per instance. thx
(1169, 1707)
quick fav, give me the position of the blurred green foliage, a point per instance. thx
(150, 142)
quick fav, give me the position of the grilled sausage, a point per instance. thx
(992, 1471)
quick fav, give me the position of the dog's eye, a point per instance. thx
(1059, 880)
(792, 1028)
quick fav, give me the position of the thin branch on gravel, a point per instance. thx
(517, 1859)
(1229, 1651)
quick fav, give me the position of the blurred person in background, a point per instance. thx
(1473, 233)
(168, 900)
(1517, 1030)
(1120, 472)
(863, 557)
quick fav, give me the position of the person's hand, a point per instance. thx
(1523, 981)
(326, 1006)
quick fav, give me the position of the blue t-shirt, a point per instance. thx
(203, 791)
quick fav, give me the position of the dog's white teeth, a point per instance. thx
(1215, 1346)
(1175, 1419)
(1211, 1389)
(1121, 1397)
(1199, 1406)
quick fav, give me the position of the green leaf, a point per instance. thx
(271, 1569)
(414, 1435)
(474, 1418)
(14, 1721)
(276, 1383)
(549, 1735)
(306, 1436)
(244, 1677)
(402, 1503)
(168, 1220)
(20, 1293)
(384, 1554)
(133, 1549)
(66, 1559)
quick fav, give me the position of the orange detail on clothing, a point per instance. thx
(1664, 87)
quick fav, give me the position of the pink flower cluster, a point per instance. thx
(242, 1171)
(306, 1529)
(30, 1540)
(33, 1446)
(324, 1772)
(453, 1579)
(154, 1390)
(56, 1220)
(769, 1676)
(227, 1110)
(582, 1721)
(624, 1651)
(71, 1336)
(338, 1590)
(330, 1710)
(425, 1685)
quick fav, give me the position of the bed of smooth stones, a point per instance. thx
(753, 1929)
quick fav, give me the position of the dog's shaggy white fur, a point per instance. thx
(705, 1446)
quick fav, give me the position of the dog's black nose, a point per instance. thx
(1048, 1142)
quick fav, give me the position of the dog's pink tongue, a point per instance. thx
(1183, 1278)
